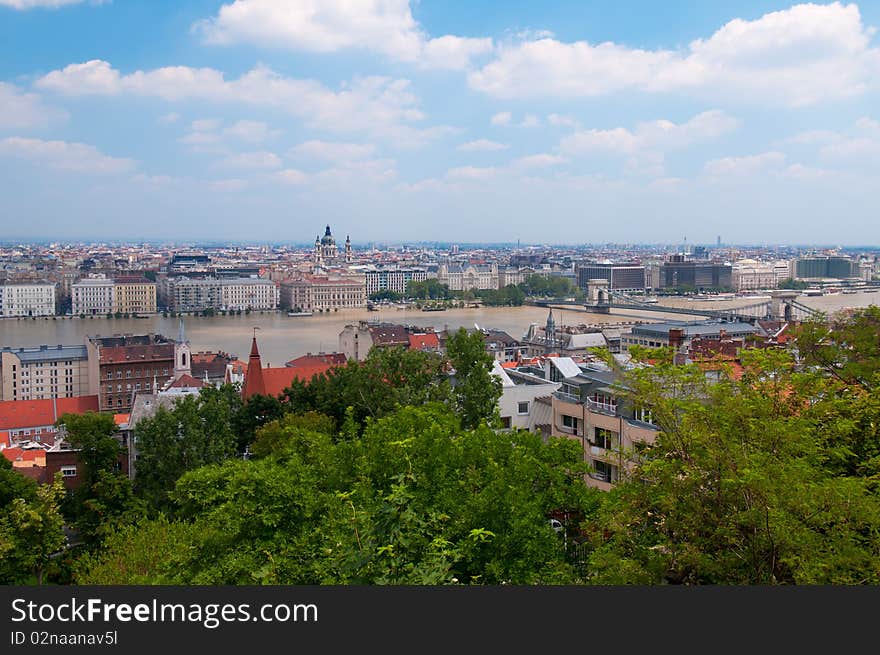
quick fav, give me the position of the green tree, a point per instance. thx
(476, 391)
(92, 435)
(386, 294)
(31, 531)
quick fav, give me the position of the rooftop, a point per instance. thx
(47, 354)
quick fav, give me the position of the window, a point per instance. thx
(569, 422)
(68, 471)
(522, 407)
(605, 439)
(644, 415)
(603, 471)
(505, 422)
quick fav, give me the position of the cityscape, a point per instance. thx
(362, 293)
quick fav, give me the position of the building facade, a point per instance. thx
(92, 296)
(690, 274)
(621, 277)
(392, 279)
(184, 294)
(27, 299)
(134, 295)
(313, 293)
(462, 277)
(248, 293)
(44, 372)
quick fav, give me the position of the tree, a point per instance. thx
(31, 531)
(476, 391)
(14, 485)
(92, 435)
(386, 294)
(736, 489)
(430, 289)
(196, 432)
(415, 499)
(256, 412)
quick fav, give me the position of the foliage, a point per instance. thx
(476, 391)
(14, 485)
(736, 489)
(548, 286)
(92, 434)
(430, 289)
(249, 416)
(791, 283)
(386, 294)
(509, 296)
(196, 432)
(30, 533)
(278, 435)
(414, 500)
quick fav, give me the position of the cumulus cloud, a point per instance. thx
(251, 161)
(20, 110)
(472, 173)
(332, 151)
(651, 135)
(64, 155)
(795, 57)
(542, 160)
(744, 166)
(381, 106)
(383, 26)
(482, 145)
(169, 118)
(501, 118)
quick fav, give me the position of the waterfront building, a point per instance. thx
(134, 294)
(621, 277)
(92, 295)
(315, 293)
(43, 372)
(463, 277)
(27, 299)
(678, 272)
(391, 279)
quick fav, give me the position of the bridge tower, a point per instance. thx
(598, 295)
(780, 304)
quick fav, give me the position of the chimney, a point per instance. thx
(676, 336)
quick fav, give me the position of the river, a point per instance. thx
(283, 337)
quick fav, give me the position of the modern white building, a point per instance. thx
(27, 299)
(392, 279)
(525, 400)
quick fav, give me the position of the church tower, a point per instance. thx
(182, 353)
(550, 332)
(348, 249)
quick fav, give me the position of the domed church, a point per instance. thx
(326, 251)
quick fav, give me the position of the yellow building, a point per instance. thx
(134, 295)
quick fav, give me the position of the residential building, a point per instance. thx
(356, 341)
(392, 279)
(248, 293)
(34, 420)
(129, 364)
(27, 299)
(185, 294)
(93, 295)
(133, 294)
(591, 409)
(44, 372)
(525, 401)
(563, 340)
(313, 293)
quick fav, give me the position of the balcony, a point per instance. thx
(609, 409)
(567, 397)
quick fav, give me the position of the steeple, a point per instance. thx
(347, 249)
(253, 381)
(181, 333)
(550, 331)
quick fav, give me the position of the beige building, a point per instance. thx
(312, 293)
(461, 277)
(27, 299)
(134, 295)
(44, 372)
(589, 409)
(92, 296)
(751, 275)
(248, 293)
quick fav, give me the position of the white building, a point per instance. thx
(93, 295)
(525, 399)
(27, 299)
(392, 279)
(461, 277)
(248, 293)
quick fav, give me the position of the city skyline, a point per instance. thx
(570, 125)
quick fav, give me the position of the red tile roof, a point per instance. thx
(137, 353)
(119, 419)
(424, 342)
(276, 380)
(187, 381)
(16, 454)
(253, 381)
(16, 414)
(336, 359)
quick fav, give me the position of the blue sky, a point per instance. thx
(556, 122)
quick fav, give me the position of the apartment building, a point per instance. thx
(134, 295)
(27, 299)
(248, 293)
(92, 296)
(184, 294)
(44, 372)
(590, 408)
(392, 279)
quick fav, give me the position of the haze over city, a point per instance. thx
(477, 122)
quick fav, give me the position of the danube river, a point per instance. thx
(282, 337)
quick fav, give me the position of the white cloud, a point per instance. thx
(64, 155)
(251, 161)
(744, 166)
(501, 118)
(542, 160)
(169, 118)
(332, 151)
(383, 26)
(561, 120)
(799, 56)
(482, 145)
(251, 131)
(472, 173)
(290, 176)
(48, 4)
(228, 186)
(658, 134)
(383, 107)
(206, 124)
(530, 120)
(19, 110)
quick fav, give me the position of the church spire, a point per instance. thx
(253, 381)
